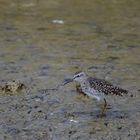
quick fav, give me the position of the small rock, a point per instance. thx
(120, 127)
(57, 21)
(106, 123)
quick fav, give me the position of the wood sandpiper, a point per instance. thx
(97, 88)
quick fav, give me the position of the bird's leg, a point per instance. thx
(104, 108)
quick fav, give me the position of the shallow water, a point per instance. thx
(99, 37)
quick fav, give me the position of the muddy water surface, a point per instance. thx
(99, 37)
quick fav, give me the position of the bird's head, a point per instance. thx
(79, 76)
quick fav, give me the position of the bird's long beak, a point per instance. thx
(67, 81)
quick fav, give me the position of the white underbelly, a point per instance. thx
(94, 94)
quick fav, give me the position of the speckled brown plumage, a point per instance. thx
(105, 87)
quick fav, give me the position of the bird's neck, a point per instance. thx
(84, 84)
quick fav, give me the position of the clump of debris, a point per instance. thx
(11, 87)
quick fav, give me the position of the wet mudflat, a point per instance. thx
(44, 42)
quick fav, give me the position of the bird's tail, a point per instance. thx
(119, 91)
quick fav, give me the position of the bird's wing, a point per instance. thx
(106, 87)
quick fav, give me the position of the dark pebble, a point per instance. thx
(120, 127)
(131, 95)
(40, 111)
(50, 129)
(29, 112)
(106, 123)
(35, 106)
(71, 132)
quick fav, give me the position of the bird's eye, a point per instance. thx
(78, 75)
